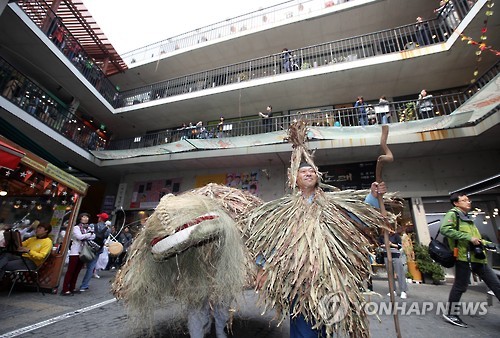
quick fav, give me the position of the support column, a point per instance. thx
(420, 220)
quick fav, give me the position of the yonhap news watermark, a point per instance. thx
(334, 307)
(423, 308)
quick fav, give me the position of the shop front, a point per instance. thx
(35, 191)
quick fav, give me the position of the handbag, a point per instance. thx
(87, 254)
(95, 247)
(440, 252)
(115, 248)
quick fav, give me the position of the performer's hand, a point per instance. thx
(378, 188)
(261, 279)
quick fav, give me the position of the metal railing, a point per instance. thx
(52, 26)
(27, 95)
(393, 112)
(403, 38)
(383, 42)
(268, 16)
(369, 114)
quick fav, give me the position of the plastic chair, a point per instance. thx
(33, 273)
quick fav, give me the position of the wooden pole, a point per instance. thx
(387, 157)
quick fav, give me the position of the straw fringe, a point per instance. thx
(313, 251)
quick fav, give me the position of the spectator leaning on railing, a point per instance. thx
(425, 105)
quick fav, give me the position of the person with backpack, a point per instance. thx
(101, 232)
(468, 247)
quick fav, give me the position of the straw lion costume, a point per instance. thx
(190, 249)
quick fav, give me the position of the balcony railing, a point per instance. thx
(27, 95)
(387, 41)
(393, 112)
(383, 42)
(286, 11)
(31, 98)
(53, 27)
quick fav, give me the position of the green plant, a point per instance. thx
(305, 65)
(426, 265)
(407, 113)
(242, 77)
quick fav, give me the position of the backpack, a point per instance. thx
(440, 252)
(100, 234)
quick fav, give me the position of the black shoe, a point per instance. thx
(455, 320)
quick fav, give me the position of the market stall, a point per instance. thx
(34, 191)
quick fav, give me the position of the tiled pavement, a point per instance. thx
(72, 317)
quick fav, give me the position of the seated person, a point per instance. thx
(31, 253)
(29, 230)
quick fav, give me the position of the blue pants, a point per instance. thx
(90, 271)
(300, 328)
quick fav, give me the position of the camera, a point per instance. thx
(478, 251)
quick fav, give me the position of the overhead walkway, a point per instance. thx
(395, 44)
(265, 18)
(475, 111)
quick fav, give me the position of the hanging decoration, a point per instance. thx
(30, 189)
(481, 45)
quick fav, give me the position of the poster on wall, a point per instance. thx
(246, 180)
(56, 221)
(350, 176)
(147, 194)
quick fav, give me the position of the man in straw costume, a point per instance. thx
(313, 251)
(190, 251)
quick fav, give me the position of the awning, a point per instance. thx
(9, 156)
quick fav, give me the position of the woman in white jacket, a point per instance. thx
(81, 232)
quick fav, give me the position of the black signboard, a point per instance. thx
(350, 176)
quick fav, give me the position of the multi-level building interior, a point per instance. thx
(122, 123)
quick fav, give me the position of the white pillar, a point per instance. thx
(420, 220)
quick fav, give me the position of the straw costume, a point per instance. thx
(316, 254)
(190, 249)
